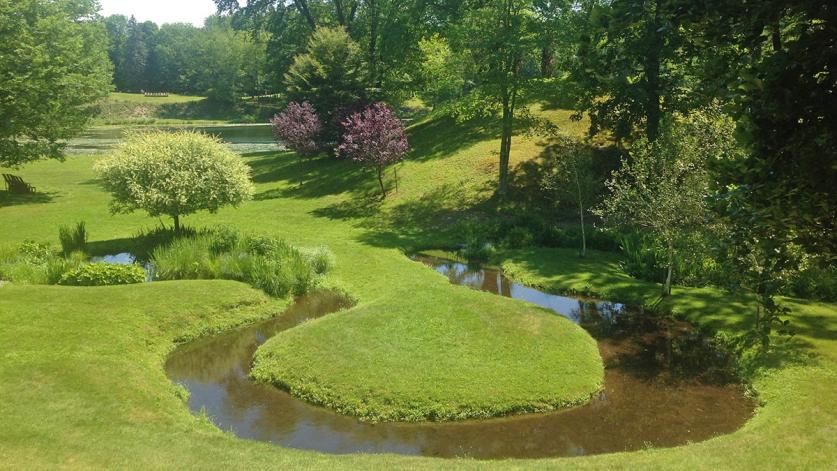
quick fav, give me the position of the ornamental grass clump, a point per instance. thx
(374, 138)
(174, 174)
(264, 262)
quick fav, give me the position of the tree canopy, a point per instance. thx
(174, 174)
(53, 68)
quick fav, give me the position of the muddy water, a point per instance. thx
(653, 395)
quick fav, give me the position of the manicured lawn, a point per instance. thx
(156, 100)
(82, 376)
(435, 353)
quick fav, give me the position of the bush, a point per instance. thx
(518, 237)
(73, 238)
(322, 260)
(100, 274)
(34, 263)
(815, 282)
(266, 263)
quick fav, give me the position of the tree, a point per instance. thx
(178, 54)
(781, 80)
(574, 178)
(134, 63)
(664, 185)
(53, 68)
(299, 128)
(633, 66)
(374, 138)
(331, 75)
(500, 34)
(174, 173)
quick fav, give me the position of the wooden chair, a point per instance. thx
(16, 184)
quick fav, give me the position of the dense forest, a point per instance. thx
(214, 60)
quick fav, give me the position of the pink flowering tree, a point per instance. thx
(298, 127)
(374, 138)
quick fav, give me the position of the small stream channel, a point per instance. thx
(663, 387)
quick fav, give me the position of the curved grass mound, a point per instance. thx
(449, 354)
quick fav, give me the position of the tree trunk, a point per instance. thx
(380, 171)
(505, 147)
(395, 171)
(667, 285)
(338, 7)
(373, 42)
(547, 61)
(302, 6)
(581, 215)
(176, 218)
(652, 74)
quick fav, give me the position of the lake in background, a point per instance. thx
(241, 138)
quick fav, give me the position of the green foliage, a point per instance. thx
(663, 186)
(34, 263)
(54, 65)
(214, 60)
(442, 70)
(73, 239)
(573, 178)
(636, 64)
(322, 259)
(265, 262)
(174, 173)
(814, 282)
(101, 274)
(331, 75)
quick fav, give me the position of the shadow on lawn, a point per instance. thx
(18, 199)
(308, 178)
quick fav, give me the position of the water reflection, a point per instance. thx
(640, 406)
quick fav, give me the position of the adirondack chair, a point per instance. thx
(16, 184)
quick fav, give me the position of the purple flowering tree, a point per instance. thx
(374, 138)
(298, 127)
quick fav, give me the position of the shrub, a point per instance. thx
(299, 128)
(518, 237)
(99, 274)
(73, 238)
(815, 282)
(186, 258)
(321, 259)
(174, 174)
(374, 138)
(34, 263)
(265, 262)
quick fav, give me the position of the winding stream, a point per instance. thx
(653, 396)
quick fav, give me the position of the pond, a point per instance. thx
(654, 394)
(241, 138)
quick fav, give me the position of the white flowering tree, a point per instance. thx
(174, 174)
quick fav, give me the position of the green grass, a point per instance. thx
(82, 376)
(137, 109)
(435, 354)
(147, 100)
